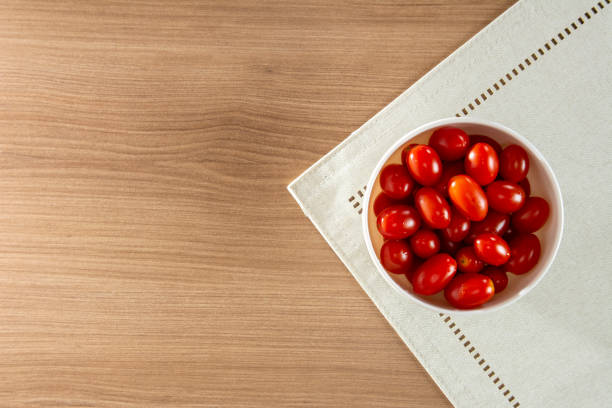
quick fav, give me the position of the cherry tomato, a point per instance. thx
(405, 152)
(468, 197)
(524, 254)
(514, 163)
(458, 228)
(492, 249)
(499, 278)
(412, 196)
(467, 261)
(494, 222)
(524, 184)
(447, 246)
(450, 143)
(505, 197)
(486, 139)
(395, 181)
(532, 216)
(470, 290)
(510, 234)
(481, 163)
(450, 170)
(383, 201)
(424, 165)
(416, 263)
(434, 274)
(398, 222)
(395, 256)
(424, 243)
(433, 208)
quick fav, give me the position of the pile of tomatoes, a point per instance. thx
(457, 215)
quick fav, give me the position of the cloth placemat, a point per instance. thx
(542, 68)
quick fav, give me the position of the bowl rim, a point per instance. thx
(559, 216)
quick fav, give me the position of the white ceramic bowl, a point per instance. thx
(543, 184)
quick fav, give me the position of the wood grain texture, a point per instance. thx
(150, 253)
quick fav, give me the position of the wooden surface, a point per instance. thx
(150, 253)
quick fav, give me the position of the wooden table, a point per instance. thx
(150, 253)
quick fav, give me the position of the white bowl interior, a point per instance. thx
(543, 184)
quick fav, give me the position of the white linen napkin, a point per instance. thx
(542, 68)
